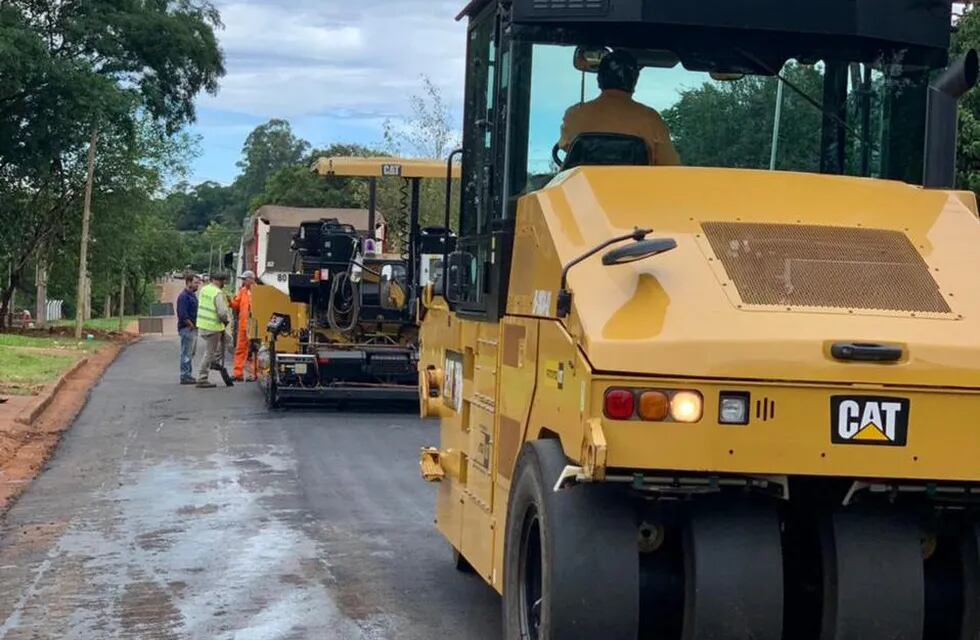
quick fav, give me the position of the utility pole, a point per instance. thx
(83, 251)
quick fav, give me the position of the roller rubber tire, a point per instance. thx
(874, 578)
(588, 554)
(733, 572)
(970, 550)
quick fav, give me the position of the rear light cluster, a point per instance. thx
(653, 405)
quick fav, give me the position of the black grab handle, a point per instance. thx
(864, 352)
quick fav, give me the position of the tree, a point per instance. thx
(298, 186)
(704, 123)
(430, 131)
(967, 36)
(131, 234)
(195, 208)
(269, 148)
(70, 68)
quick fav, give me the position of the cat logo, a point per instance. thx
(870, 420)
(391, 170)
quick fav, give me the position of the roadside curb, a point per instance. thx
(30, 414)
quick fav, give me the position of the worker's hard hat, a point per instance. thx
(247, 275)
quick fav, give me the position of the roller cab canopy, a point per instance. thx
(858, 29)
(384, 168)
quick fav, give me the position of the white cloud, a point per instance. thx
(296, 59)
(337, 69)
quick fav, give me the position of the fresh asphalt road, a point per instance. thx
(173, 512)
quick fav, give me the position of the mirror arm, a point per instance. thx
(564, 294)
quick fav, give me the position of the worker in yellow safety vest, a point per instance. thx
(212, 318)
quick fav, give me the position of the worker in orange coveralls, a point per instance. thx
(242, 305)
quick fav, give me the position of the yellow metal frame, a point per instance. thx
(382, 167)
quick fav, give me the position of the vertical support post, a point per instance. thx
(866, 94)
(833, 141)
(83, 249)
(777, 124)
(414, 231)
(373, 208)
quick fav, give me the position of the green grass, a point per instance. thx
(31, 342)
(19, 368)
(101, 324)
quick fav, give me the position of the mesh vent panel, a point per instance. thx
(815, 266)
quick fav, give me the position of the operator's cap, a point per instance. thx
(246, 275)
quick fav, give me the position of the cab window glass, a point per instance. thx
(833, 117)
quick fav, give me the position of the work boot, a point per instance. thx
(206, 385)
(188, 382)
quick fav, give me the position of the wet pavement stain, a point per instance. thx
(226, 522)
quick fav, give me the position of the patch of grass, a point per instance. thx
(32, 342)
(101, 324)
(20, 368)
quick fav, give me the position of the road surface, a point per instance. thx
(172, 512)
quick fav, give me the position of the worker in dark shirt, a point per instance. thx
(187, 327)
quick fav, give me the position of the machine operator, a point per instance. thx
(615, 111)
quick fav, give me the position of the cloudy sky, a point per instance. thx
(336, 69)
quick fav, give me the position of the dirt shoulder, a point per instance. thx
(31, 426)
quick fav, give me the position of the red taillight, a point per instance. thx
(620, 404)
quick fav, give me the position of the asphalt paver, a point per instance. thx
(173, 512)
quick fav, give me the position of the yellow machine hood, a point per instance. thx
(771, 270)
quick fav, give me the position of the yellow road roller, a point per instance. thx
(731, 399)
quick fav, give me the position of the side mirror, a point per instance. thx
(638, 251)
(588, 59)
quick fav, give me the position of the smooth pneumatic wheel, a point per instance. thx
(571, 563)
(874, 584)
(733, 572)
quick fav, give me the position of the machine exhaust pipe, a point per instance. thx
(942, 119)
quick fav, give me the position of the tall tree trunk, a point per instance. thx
(83, 250)
(122, 297)
(41, 280)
